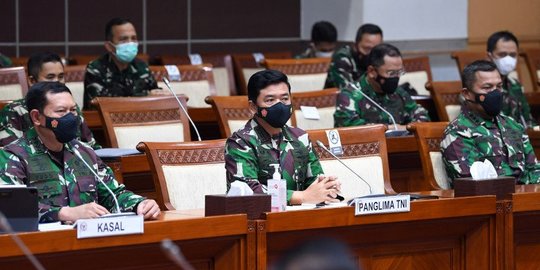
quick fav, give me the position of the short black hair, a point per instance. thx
(495, 37)
(469, 72)
(323, 31)
(114, 22)
(36, 98)
(36, 61)
(377, 54)
(367, 28)
(263, 79)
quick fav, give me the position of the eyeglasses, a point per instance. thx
(395, 73)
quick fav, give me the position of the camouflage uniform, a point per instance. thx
(353, 109)
(308, 53)
(346, 67)
(250, 151)
(515, 103)
(502, 141)
(103, 79)
(15, 120)
(61, 178)
(5, 61)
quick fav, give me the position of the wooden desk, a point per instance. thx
(405, 166)
(221, 242)
(456, 233)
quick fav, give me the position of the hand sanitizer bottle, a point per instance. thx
(277, 188)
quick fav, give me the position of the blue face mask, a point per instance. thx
(126, 52)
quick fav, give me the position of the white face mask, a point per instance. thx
(323, 54)
(506, 64)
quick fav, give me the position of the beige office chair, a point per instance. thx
(304, 74)
(13, 83)
(365, 152)
(130, 120)
(185, 172)
(324, 102)
(446, 96)
(245, 65)
(418, 73)
(233, 113)
(74, 77)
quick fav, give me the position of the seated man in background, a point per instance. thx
(323, 41)
(380, 83)
(118, 73)
(482, 132)
(45, 158)
(350, 62)
(503, 50)
(266, 139)
(14, 118)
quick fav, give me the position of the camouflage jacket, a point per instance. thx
(61, 178)
(346, 67)
(353, 109)
(502, 141)
(250, 151)
(309, 52)
(15, 120)
(515, 103)
(5, 61)
(103, 79)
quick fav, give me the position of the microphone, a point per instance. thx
(321, 145)
(4, 224)
(78, 154)
(166, 81)
(389, 133)
(174, 253)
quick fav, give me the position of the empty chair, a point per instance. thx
(532, 57)
(323, 102)
(365, 151)
(418, 73)
(304, 74)
(233, 113)
(13, 83)
(185, 172)
(74, 77)
(246, 64)
(428, 137)
(130, 120)
(196, 82)
(446, 96)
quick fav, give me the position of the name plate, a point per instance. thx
(382, 205)
(109, 226)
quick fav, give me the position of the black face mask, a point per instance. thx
(64, 128)
(276, 115)
(389, 85)
(491, 102)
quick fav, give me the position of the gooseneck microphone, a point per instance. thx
(321, 145)
(166, 81)
(174, 253)
(389, 133)
(4, 224)
(78, 154)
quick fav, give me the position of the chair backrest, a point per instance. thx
(13, 83)
(3, 103)
(130, 120)
(532, 57)
(185, 172)
(304, 74)
(233, 113)
(222, 68)
(428, 137)
(463, 58)
(82, 59)
(418, 73)
(74, 76)
(324, 102)
(365, 151)
(446, 97)
(196, 82)
(246, 65)
(21, 61)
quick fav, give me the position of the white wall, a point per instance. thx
(399, 19)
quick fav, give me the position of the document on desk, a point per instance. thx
(307, 206)
(54, 226)
(115, 152)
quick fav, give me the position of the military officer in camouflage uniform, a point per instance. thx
(351, 62)
(14, 118)
(323, 41)
(267, 140)
(482, 132)
(380, 83)
(45, 158)
(118, 73)
(502, 49)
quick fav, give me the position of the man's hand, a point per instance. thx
(159, 92)
(89, 210)
(324, 189)
(149, 209)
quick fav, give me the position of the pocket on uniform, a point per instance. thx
(86, 184)
(47, 188)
